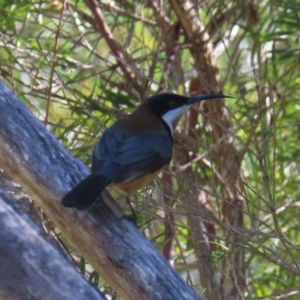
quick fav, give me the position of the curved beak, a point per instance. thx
(199, 98)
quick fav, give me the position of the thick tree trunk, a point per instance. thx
(31, 266)
(113, 245)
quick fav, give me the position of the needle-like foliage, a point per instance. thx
(226, 212)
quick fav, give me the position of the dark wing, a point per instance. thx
(121, 157)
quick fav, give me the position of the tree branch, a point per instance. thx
(111, 42)
(233, 283)
(113, 245)
(31, 264)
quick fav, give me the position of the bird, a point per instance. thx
(135, 149)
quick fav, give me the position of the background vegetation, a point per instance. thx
(228, 207)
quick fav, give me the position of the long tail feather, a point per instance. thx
(85, 193)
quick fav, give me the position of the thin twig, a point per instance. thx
(54, 60)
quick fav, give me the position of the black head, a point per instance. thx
(163, 103)
(171, 107)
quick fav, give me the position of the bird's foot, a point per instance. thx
(131, 218)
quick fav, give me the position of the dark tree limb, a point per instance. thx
(114, 246)
(31, 266)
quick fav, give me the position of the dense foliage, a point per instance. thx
(78, 78)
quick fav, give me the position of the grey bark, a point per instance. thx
(31, 266)
(114, 246)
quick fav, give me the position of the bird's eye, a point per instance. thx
(173, 104)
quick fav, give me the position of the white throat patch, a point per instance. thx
(172, 117)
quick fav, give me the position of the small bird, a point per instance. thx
(132, 152)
